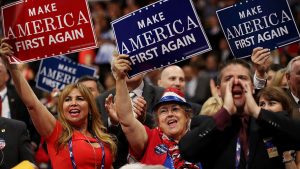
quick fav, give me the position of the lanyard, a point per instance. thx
(70, 144)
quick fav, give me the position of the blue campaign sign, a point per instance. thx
(258, 23)
(160, 34)
(57, 72)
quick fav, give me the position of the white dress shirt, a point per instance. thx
(5, 105)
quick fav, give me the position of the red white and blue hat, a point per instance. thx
(172, 95)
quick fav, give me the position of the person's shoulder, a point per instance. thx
(195, 105)
(13, 122)
(160, 89)
(152, 133)
(200, 120)
(154, 87)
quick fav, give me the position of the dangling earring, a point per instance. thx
(90, 121)
(90, 117)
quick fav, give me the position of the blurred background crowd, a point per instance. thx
(105, 11)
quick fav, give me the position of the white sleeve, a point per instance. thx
(258, 82)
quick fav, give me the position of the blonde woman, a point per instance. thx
(279, 79)
(211, 106)
(78, 138)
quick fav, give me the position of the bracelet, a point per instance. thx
(289, 156)
(288, 161)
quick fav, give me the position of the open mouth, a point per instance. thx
(172, 123)
(74, 112)
(237, 92)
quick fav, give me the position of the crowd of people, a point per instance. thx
(211, 111)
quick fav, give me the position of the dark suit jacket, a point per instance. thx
(19, 111)
(216, 149)
(202, 91)
(17, 108)
(152, 94)
(196, 108)
(296, 112)
(17, 142)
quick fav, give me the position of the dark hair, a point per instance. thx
(234, 62)
(85, 78)
(290, 64)
(277, 94)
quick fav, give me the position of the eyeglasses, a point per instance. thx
(165, 110)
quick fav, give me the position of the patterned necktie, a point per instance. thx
(243, 135)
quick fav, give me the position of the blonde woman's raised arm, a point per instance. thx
(43, 120)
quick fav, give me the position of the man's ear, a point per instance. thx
(288, 76)
(159, 83)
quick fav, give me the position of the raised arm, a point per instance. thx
(133, 129)
(43, 120)
(261, 59)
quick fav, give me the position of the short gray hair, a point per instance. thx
(290, 64)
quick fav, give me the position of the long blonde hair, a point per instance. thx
(278, 78)
(95, 124)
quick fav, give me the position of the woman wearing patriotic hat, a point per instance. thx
(172, 112)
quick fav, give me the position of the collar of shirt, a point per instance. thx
(5, 104)
(3, 93)
(139, 90)
(295, 98)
